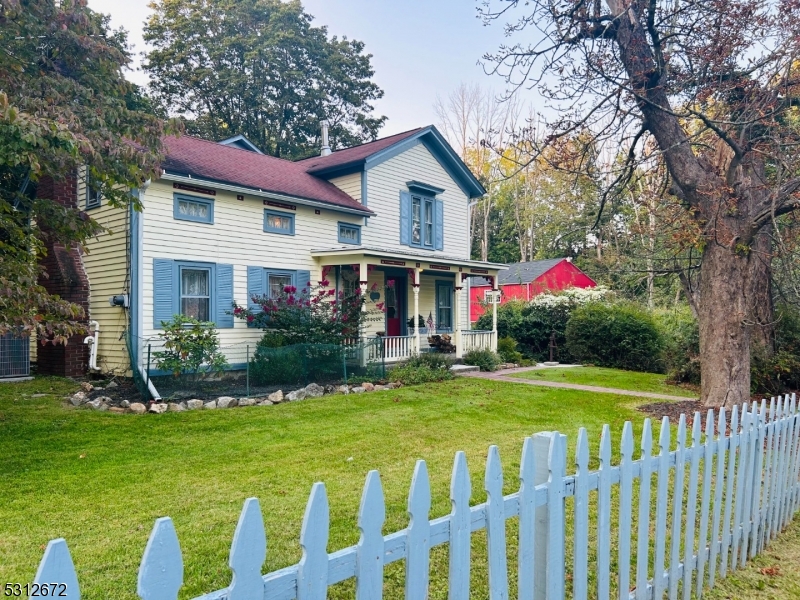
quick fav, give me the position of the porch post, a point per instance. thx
(457, 322)
(495, 294)
(363, 274)
(416, 309)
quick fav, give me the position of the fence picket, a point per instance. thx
(161, 569)
(733, 445)
(369, 554)
(496, 526)
(57, 567)
(625, 511)
(792, 441)
(795, 474)
(741, 476)
(782, 466)
(662, 501)
(776, 487)
(750, 484)
(643, 535)
(580, 549)
(312, 570)
(419, 534)
(702, 543)
(248, 553)
(758, 481)
(769, 477)
(677, 507)
(460, 491)
(604, 517)
(719, 485)
(557, 462)
(527, 522)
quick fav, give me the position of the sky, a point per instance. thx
(420, 48)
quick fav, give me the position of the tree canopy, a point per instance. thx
(64, 104)
(259, 68)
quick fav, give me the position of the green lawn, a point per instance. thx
(612, 378)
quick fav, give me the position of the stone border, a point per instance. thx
(312, 390)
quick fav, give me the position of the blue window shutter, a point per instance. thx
(303, 279)
(224, 303)
(255, 287)
(438, 225)
(405, 218)
(164, 291)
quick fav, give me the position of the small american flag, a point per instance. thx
(430, 320)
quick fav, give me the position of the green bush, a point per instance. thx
(422, 368)
(507, 349)
(191, 347)
(622, 336)
(485, 359)
(681, 353)
(779, 372)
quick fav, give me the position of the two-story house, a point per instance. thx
(224, 223)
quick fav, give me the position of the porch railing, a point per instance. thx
(395, 347)
(476, 340)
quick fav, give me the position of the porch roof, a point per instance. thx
(426, 261)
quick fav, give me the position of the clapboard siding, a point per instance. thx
(388, 179)
(106, 264)
(237, 238)
(349, 184)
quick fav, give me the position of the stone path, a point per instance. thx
(504, 376)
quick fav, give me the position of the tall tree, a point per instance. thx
(260, 69)
(716, 85)
(64, 104)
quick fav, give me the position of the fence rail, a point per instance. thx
(476, 340)
(741, 490)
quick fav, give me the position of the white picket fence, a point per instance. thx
(741, 490)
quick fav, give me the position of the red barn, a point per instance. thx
(523, 281)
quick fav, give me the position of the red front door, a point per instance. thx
(394, 309)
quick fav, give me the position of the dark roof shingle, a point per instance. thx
(188, 155)
(355, 154)
(523, 272)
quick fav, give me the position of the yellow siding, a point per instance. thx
(388, 179)
(237, 238)
(349, 184)
(106, 266)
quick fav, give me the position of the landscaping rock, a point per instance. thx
(194, 404)
(314, 390)
(358, 390)
(380, 388)
(86, 386)
(77, 398)
(176, 407)
(296, 395)
(390, 386)
(265, 403)
(125, 404)
(158, 408)
(117, 410)
(111, 384)
(247, 401)
(105, 399)
(138, 408)
(97, 404)
(343, 389)
(210, 405)
(330, 389)
(368, 387)
(276, 397)
(226, 402)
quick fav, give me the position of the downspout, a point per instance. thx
(93, 340)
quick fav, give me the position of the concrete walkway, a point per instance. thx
(505, 376)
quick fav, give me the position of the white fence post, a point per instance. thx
(541, 471)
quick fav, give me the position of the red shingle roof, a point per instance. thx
(355, 154)
(226, 164)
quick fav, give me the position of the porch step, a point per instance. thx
(461, 369)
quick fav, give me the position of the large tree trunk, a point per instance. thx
(763, 306)
(725, 313)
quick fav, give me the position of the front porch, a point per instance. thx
(413, 296)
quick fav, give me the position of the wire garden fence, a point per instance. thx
(255, 370)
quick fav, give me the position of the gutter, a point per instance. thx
(262, 194)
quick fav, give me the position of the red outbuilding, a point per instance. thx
(523, 281)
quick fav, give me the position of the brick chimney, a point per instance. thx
(66, 278)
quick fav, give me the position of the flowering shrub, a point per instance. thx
(312, 314)
(191, 347)
(572, 297)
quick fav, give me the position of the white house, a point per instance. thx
(224, 223)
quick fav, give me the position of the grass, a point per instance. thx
(611, 378)
(100, 480)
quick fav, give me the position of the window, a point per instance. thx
(416, 228)
(349, 234)
(428, 222)
(92, 194)
(192, 208)
(444, 305)
(276, 283)
(350, 282)
(278, 222)
(195, 293)
(422, 221)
